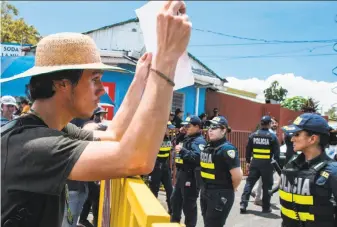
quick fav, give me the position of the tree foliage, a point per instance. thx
(332, 113)
(275, 92)
(310, 106)
(16, 30)
(299, 103)
(294, 103)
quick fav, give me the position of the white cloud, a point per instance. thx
(296, 86)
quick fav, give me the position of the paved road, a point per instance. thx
(253, 218)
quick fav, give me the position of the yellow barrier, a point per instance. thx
(128, 202)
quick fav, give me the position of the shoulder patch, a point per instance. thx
(202, 147)
(231, 153)
(325, 174)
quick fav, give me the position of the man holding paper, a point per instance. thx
(42, 150)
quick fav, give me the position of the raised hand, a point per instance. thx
(142, 68)
(173, 30)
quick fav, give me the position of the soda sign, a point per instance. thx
(12, 49)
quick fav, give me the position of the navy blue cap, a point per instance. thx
(194, 120)
(308, 121)
(219, 120)
(99, 110)
(266, 119)
(170, 125)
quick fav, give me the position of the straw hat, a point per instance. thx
(63, 51)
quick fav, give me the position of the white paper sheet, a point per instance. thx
(147, 15)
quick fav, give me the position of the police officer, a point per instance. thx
(308, 186)
(162, 172)
(186, 190)
(262, 146)
(221, 174)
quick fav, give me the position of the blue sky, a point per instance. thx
(287, 20)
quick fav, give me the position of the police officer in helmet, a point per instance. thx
(262, 147)
(221, 174)
(308, 189)
(187, 160)
(162, 172)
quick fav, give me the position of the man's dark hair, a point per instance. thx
(24, 101)
(274, 119)
(202, 115)
(42, 86)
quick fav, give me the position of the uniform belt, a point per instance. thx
(215, 186)
(187, 170)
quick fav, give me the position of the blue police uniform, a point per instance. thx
(308, 189)
(217, 193)
(162, 172)
(262, 147)
(186, 190)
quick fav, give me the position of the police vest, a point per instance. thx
(187, 144)
(262, 144)
(213, 167)
(304, 198)
(164, 151)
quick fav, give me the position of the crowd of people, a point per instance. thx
(44, 156)
(208, 166)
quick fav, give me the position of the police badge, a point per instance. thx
(231, 153)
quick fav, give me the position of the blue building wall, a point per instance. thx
(123, 82)
(202, 101)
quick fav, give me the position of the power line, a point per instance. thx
(237, 44)
(240, 44)
(264, 40)
(287, 52)
(259, 56)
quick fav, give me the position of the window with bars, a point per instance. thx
(178, 101)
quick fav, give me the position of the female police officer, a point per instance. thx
(309, 181)
(221, 174)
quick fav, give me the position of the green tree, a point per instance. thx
(332, 113)
(16, 30)
(294, 103)
(275, 92)
(310, 106)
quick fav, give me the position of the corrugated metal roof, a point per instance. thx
(113, 25)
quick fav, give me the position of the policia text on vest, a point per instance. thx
(308, 187)
(306, 192)
(262, 147)
(217, 193)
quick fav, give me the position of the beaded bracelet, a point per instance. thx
(162, 75)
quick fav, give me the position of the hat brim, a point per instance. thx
(10, 103)
(290, 129)
(185, 123)
(217, 123)
(40, 70)
(213, 122)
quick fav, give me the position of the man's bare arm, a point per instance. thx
(136, 152)
(119, 124)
